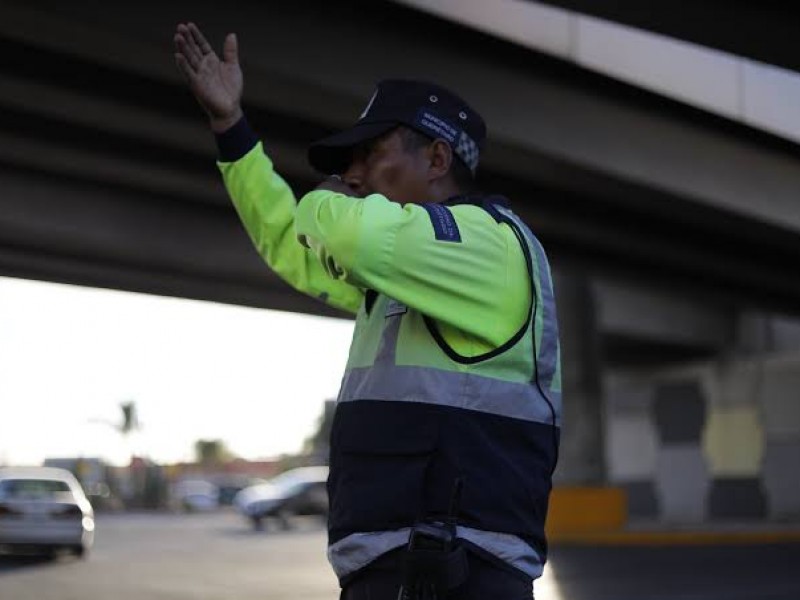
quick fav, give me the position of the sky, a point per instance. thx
(69, 356)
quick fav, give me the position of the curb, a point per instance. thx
(675, 538)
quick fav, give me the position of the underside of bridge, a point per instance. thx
(107, 169)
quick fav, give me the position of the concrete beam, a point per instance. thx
(649, 315)
(540, 112)
(189, 135)
(103, 236)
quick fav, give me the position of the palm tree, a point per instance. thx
(126, 425)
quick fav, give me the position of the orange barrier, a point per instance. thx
(598, 516)
(585, 510)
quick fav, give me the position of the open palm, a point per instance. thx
(217, 84)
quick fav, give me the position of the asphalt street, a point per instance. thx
(180, 557)
(205, 557)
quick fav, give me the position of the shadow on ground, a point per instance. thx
(33, 560)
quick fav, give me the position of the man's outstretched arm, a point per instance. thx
(265, 203)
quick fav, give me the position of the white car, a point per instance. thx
(195, 495)
(44, 508)
(300, 491)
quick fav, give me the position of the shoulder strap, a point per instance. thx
(490, 204)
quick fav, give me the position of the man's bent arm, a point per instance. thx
(267, 206)
(477, 285)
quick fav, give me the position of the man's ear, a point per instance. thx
(440, 155)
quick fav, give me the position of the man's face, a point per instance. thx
(384, 166)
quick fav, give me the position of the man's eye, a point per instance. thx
(362, 152)
(369, 148)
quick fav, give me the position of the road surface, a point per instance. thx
(217, 557)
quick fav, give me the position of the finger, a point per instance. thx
(191, 54)
(230, 49)
(191, 45)
(179, 45)
(193, 50)
(200, 39)
(183, 31)
(184, 67)
(179, 39)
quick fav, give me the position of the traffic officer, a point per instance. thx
(447, 426)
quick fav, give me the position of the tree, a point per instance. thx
(130, 418)
(212, 452)
(126, 425)
(318, 444)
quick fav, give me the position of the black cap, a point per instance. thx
(425, 107)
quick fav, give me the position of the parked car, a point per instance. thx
(195, 495)
(300, 491)
(45, 509)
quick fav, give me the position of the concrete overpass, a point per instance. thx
(108, 168)
(672, 227)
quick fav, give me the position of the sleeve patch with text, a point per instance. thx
(444, 225)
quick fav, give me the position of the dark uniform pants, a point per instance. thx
(486, 581)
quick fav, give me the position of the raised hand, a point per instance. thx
(217, 84)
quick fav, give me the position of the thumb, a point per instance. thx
(230, 49)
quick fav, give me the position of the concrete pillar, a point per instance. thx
(763, 333)
(581, 457)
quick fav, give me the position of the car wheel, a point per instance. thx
(258, 523)
(283, 520)
(79, 551)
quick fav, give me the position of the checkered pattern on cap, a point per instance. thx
(467, 150)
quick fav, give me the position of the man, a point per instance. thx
(446, 432)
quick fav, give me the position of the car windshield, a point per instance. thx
(288, 479)
(19, 488)
(291, 488)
